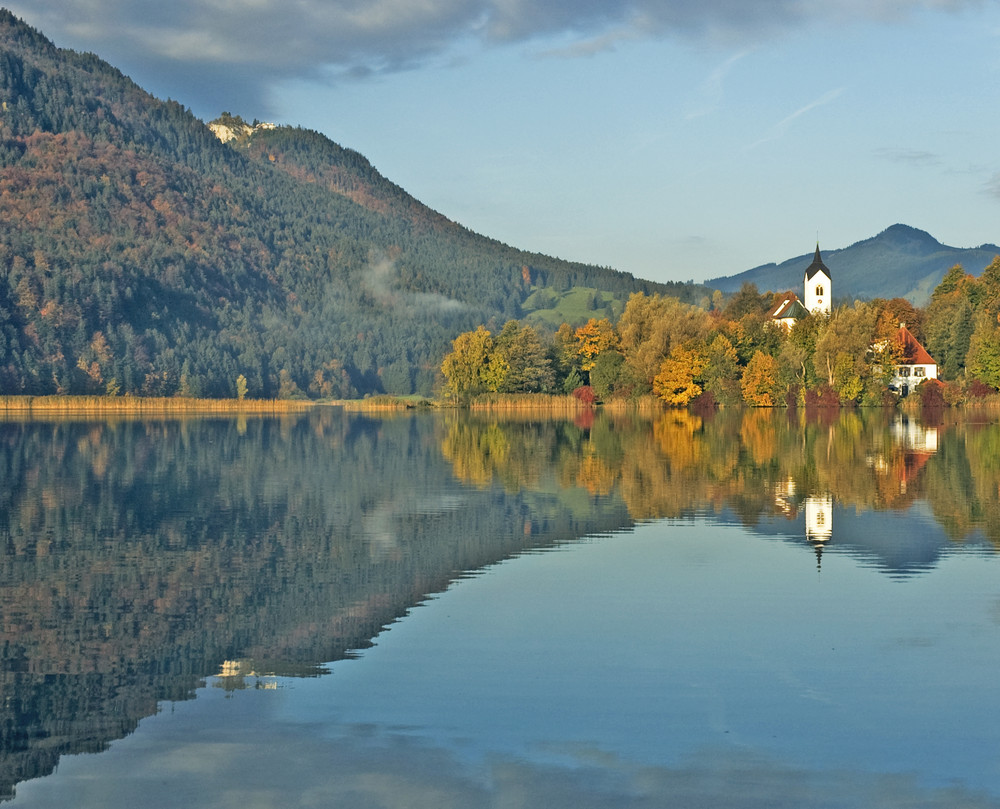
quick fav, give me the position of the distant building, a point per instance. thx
(818, 286)
(817, 290)
(787, 310)
(915, 365)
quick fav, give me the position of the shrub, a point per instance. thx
(931, 393)
(977, 389)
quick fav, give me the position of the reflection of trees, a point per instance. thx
(963, 482)
(140, 556)
(677, 463)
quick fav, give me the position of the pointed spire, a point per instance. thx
(817, 265)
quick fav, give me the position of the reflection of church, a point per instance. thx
(819, 518)
(819, 523)
(817, 510)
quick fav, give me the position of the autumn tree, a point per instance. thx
(592, 338)
(983, 362)
(651, 325)
(678, 381)
(520, 361)
(748, 301)
(843, 350)
(722, 371)
(465, 368)
(760, 383)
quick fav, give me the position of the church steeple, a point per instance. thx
(817, 265)
(818, 286)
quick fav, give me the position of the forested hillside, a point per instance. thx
(140, 254)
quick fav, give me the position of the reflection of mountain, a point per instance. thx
(899, 544)
(141, 556)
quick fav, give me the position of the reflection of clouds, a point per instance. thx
(366, 767)
(381, 524)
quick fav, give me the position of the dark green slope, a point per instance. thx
(140, 254)
(900, 262)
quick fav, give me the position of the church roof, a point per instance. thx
(817, 266)
(788, 306)
(913, 352)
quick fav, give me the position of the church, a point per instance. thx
(915, 364)
(817, 288)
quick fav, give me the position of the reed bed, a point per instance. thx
(528, 403)
(383, 403)
(142, 406)
(643, 405)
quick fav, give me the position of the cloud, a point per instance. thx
(379, 279)
(992, 186)
(779, 129)
(215, 51)
(711, 89)
(305, 765)
(914, 157)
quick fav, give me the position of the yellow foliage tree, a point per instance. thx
(760, 383)
(677, 381)
(592, 338)
(467, 368)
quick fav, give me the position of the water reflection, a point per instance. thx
(140, 557)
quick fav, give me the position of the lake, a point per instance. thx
(741, 609)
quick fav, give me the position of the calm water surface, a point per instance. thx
(753, 609)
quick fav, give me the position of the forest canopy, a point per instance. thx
(139, 254)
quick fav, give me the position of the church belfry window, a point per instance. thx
(819, 289)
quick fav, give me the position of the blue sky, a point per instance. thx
(674, 139)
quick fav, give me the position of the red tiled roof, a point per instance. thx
(913, 352)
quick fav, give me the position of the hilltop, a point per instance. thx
(900, 262)
(142, 252)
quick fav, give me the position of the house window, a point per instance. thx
(919, 371)
(904, 371)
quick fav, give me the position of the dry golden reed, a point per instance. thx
(527, 403)
(48, 406)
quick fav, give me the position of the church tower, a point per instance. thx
(818, 286)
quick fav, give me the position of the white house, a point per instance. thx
(915, 365)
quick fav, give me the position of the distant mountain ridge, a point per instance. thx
(900, 262)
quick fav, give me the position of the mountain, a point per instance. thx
(139, 253)
(900, 262)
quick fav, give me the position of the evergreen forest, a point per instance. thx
(141, 255)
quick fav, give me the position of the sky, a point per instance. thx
(673, 139)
